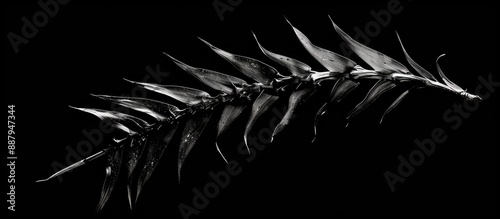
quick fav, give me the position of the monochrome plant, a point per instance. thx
(139, 150)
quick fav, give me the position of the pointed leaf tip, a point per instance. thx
(297, 68)
(127, 123)
(378, 89)
(250, 67)
(192, 131)
(445, 79)
(394, 104)
(220, 152)
(340, 89)
(111, 177)
(134, 151)
(296, 100)
(377, 60)
(216, 80)
(229, 114)
(159, 110)
(421, 71)
(186, 95)
(157, 142)
(261, 104)
(330, 60)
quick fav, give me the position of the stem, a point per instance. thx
(113, 146)
(77, 164)
(316, 77)
(320, 76)
(361, 73)
(429, 83)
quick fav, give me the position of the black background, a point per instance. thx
(89, 48)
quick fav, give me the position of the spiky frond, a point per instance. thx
(147, 140)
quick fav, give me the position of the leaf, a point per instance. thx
(192, 131)
(229, 114)
(133, 154)
(159, 110)
(215, 80)
(297, 99)
(158, 140)
(379, 88)
(297, 68)
(341, 88)
(259, 107)
(395, 103)
(250, 67)
(330, 60)
(375, 59)
(127, 123)
(112, 172)
(445, 79)
(421, 71)
(186, 95)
